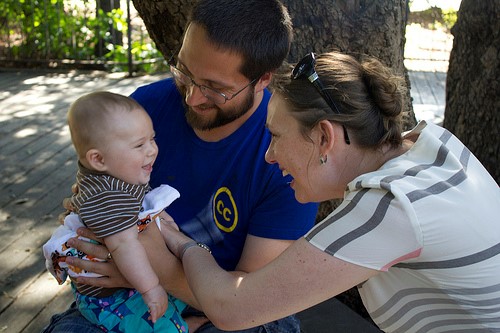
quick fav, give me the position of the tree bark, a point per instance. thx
(165, 21)
(472, 83)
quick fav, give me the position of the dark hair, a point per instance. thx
(259, 30)
(368, 96)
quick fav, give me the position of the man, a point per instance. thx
(210, 130)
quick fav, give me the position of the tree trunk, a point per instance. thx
(472, 87)
(374, 27)
(165, 21)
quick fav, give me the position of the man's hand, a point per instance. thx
(112, 278)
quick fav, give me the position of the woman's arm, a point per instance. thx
(299, 278)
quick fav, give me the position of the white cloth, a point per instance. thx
(55, 249)
(156, 201)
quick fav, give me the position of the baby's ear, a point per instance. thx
(95, 159)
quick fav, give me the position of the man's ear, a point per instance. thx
(95, 159)
(263, 81)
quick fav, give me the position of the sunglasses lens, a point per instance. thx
(304, 67)
(298, 71)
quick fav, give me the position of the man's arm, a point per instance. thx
(259, 251)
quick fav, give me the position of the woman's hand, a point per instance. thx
(175, 239)
(112, 278)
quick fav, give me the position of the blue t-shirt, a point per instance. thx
(227, 188)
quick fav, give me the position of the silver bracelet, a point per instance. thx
(191, 244)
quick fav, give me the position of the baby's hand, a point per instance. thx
(157, 301)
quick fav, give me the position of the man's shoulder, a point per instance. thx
(152, 91)
(157, 97)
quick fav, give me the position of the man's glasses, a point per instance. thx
(214, 95)
(305, 70)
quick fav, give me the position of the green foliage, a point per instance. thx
(449, 18)
(434, 18)
(69, 30)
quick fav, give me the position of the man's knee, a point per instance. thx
(70, 321)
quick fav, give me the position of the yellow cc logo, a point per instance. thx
(225, 211)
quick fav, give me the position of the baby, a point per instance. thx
(115, 142)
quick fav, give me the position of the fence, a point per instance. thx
(105, 34)
(110, 35)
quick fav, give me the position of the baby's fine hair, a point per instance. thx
(89, 118)
(369, 97)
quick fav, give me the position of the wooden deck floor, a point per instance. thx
(37, 165)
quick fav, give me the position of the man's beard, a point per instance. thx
(222, 117)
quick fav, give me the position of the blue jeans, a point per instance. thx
(72, 321)
(289, 324)
(286, 325)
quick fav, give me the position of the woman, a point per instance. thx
(418, 230)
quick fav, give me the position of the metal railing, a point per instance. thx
(110, 35)
(100, 34)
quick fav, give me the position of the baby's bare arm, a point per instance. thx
(132, 261)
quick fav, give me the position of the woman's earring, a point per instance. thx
(323, 159)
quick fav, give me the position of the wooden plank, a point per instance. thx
(30, 175)
(39, 169)
(428, 92)
(22, 259)
(39, 211)
(10, 79)
(437, 84)
(58, 304)
(425, 91)
(32, 302)
(414, 88)
(34, 155)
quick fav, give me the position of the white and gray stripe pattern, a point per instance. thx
(443, 274)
